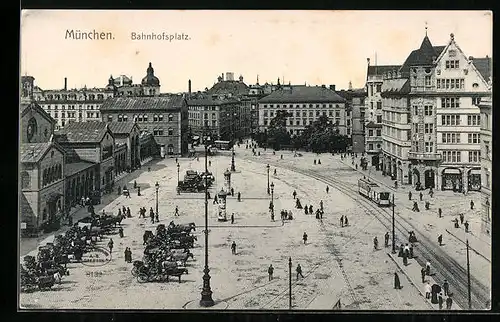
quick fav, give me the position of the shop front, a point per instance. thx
(474, 179)
(451, 179)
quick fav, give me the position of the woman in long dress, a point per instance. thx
(397, 283)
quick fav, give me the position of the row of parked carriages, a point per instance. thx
(195, 182)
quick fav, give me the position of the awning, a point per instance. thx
(475, 171)
(452, 171)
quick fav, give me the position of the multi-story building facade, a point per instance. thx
(355, 113)
(306, 104)
(123, 85)
(373, 108)
(485, 107)
(165, 117)
(442, 87)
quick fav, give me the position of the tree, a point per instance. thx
(277, 132)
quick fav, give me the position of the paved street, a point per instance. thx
(338, 262)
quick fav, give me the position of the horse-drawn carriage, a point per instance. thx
(157, 273)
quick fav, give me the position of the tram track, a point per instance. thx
(444, 265)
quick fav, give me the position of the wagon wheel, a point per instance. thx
(134, 271)
(142, 278)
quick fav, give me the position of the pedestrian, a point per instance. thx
(304, 237)
(294, 194)
(431, 192)
(239, 196)
(427, 205)
(176, 160)
(233, 248)
(321, 205)
(471, 205)
(440, 213)
(386, 239)
(428, 268)
(440, 240)
(270, 271)
(356, 166)
(110, 245)
(126, 255)
(440, 301)
(405, 258)
(428, 290)
(397, 283)
(232, 218)
(446, 287)
(411, 251)
(409, 195)
(449, 302)
(120, 232)
(421, 195)
(299, 271)
(209, 163)
(156, 218)
(461, 219)
(327, 189)
(282, 157)
(415, 207)
(138, 191)
(176, 211)
(346, 222)
(232, 192)
(311, 209)
(215, 199)
(375, 243)
(314, 161)
(135, 184)
(422, 273)
(342, 221)
(274, 173)
(466, 225)
(319, 161)
(152, 215)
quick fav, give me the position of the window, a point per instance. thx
(170, 131)
(379, 132)
(139, 118)
(427, 81)
(170, 117)
(487, 149)
(370, 133)
(330, 113)
(474, 156)
(450, 102)
(473, 138)
(348, 122)
(476, 100)
(337, 114)
(120, 118)
(450, 137)
(379, 88)
(271, 114)
(429, 146)
(428, 128)
(428, 110)
(452, 156)
(415, 110)
(317, 113)
(155, 118)
(473, 120)
(348, 132)
(125, 118)
(450, 120)
(370, 146)
(379, 118)
(110, 118)
(160, 132)
(452, 64)
(379, 105)
(145, 117)
(265, 113)
(311, 114)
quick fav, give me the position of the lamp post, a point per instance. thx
(268, 191)
(272, 196)
(290, 283)
(178, 170)
(468, 276)
(233, 168)
(393, 230)
(206, 292)
(157, 187)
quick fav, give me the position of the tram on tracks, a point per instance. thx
(374, 192)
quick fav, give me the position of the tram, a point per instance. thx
(223, 145)
(374, 192)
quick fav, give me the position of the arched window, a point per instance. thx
(170, 117)
(25, 180)
(59, 171)
(170, 131)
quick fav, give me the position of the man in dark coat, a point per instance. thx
(294, 194)
(386, 239)
(471, 205)
(342, 221)
(409, 195)
(397, 283)
(440, 240)
(440, 213)
(233, 248)
(270, 271)
(422, 273)
(449, 302)
(232, 218)
(304, 238)
(299, 271)
(440, 301)
(446, 288)
(310, 209)
(421, 195)
(327, 189)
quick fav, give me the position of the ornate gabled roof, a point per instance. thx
(25, 107)
(302, 93)
(425, 55)
(150, 78)
(82, 132)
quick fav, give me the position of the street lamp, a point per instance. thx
(206, 292)
(178, 169)
(393, 230)
(157, 186)
(290, 283)
(468, 277)
(272, 196)
(268, 191)
(233, 168)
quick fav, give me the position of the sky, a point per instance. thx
(313, 47)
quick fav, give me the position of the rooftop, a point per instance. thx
(143, 103)
(379, 70)
(75, 167)
(425, 55)
(121, 127)
(32, 152)
(484, 66)
(229, 86)
(209, 101)
(303, 93)
(80, 132)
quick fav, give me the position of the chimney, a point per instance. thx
(332, 87)
(65, 83)
(323, 86)
(222, 76)
(368, 60)
(189, 89)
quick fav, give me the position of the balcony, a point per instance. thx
(429, 156)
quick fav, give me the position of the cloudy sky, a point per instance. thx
(316, 47)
